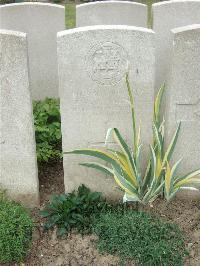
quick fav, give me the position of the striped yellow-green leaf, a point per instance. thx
(120, 156)
(174, 171)
(153, 162)
(124, 184)
(128, 161)
(121, 142)
(187, 182)
(190, 178)
(107, 157)
(189, 175)
(103, 155)
(158, 141)
(159, 166)
(132, 113)
(98, 166)
(123, 161)
(152, 181)
(167, 179)
(172, 145)
(157, 104)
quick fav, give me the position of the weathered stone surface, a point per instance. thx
(41, 22)
(111, 13)
(18, 167)
(183, 95)
(166, 16)
(92, 65)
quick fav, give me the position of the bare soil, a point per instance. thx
(77, 250)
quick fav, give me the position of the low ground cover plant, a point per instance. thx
(47, 129)
(74, 210)
(141, 237)
(15, 231)
(121, 231)
(124, 163)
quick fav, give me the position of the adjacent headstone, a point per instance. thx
(41, 22)
(18, 167)
(166, 16)
(183, 96)
(93, 62)
(111, 13)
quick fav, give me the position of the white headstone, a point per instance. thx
(92, 64)
(111, 13)
(166, 16)
(18, 167)
(41, 22)
(183, 95)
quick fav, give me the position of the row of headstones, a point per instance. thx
(42, 21)
(92, 63)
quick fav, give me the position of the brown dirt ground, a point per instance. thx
(77, 250)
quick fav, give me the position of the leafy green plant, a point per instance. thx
(47, 129)
(124, 163)
(139, 236)
(74, 210)
(15, 232)
(163, 172)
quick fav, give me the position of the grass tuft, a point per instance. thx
(70, 15)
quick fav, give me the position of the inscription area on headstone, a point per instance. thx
(188, 111)
(107, 63)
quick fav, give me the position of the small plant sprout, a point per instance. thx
(124, 163)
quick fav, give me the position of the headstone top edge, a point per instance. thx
(180, 30)
(168, 3)
(12, 32)
(35, 4)
(104, 27)
(110, 2)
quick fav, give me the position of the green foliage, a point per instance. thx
(2, 2)
(75, 210)
(15, 232)
(139, 236)
(70, 15)
(57, 1)
(124, 163)
(47, 129)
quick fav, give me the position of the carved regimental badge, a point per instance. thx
(107, 63)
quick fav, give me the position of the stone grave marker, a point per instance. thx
(41, 22)
(183, 95)
(93, 62)
(111, 13)
(166, 16)
(18, 166)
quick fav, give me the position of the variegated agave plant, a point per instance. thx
(124, 163)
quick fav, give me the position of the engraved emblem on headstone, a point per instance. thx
(107, 63)
(188, 111)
